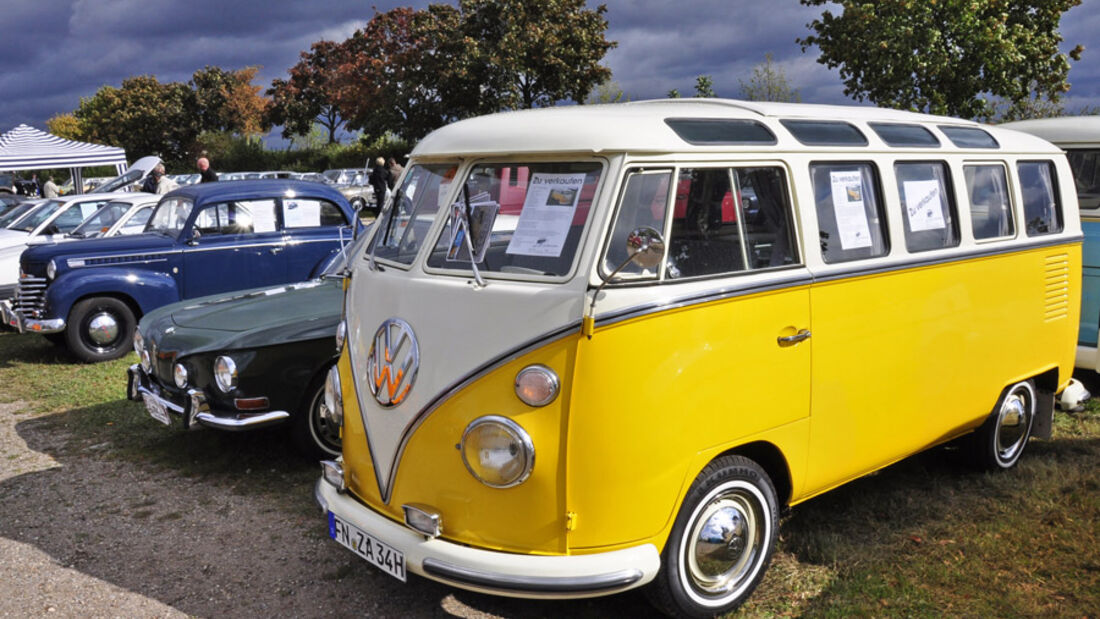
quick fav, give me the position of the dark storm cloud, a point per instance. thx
(52, 52)
(665, 45)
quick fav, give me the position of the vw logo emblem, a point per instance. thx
(392, 362)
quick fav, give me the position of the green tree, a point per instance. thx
(310, 94)
(769, 83)
(704, 87)
(143, 116)
(954, 57)
(607, 91)
(536, 52)
(673, 94)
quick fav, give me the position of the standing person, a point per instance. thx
(163, 183)
(208, 175)
(379, 181)
(395, 171)
(49, 190)
(37, 184)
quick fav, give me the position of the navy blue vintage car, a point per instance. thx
(202, 239)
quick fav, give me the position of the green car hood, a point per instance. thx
(247, 319)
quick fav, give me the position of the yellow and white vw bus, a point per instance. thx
(593, 348)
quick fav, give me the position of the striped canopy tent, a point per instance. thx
(27, 148)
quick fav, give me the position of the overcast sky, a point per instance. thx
(52, 52)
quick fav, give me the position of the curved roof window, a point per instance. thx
(707, 131)
(825, 132)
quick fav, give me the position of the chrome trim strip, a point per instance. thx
(462, 383)
(142, 389)
(956, 257)
(82, 264)
(69, 261)
(194, 249)
(729, 292)
(547, 584)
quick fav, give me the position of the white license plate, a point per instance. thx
(383, 556)
(156, 409)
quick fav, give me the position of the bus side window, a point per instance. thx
(990, 209)
(766, 212)
(1042, 211)
(850, 219)
(643, 203)
(927, 205)
(706, 239)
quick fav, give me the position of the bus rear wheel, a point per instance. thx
(721, 543)
(1000, 441)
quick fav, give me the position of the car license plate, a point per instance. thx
(383, 556)
(156, 409)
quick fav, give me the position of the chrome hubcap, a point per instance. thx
(325, 431)
(725, 544)
(1013, 423)
(103, 329)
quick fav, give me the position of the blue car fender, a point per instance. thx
(147, 290)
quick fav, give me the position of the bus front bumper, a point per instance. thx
(495, 572)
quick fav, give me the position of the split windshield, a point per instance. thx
(524, 218)
(404, 223)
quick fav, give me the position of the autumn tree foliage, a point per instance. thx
(146, 116)
(310, 94)
(954, 57)
(407, 72)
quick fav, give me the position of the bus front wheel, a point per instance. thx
(722, 541)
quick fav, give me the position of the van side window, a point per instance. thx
(643, 204)
(990, 208)
(927, 206)
(850, 219)
(726, 220)
(1086, 173)
(1042, 211)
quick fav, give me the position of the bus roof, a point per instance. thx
(642, 127)
(1065, 131)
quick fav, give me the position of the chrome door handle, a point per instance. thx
(275, 250)
(803, 334)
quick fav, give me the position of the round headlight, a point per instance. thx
(143, 354)
(51, 270)
(497, 451)
(225, 373)
(341, 335)
(537, 385)
(334, 398)
(179, 374)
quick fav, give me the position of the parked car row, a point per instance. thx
(634, 302)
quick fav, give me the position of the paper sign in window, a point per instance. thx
(302, 213)
(547, 214)
(263, 218)
(848, 206)
(923, 205)
(88, 209)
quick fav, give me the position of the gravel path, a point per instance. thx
(85, 533)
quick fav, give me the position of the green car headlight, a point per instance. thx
(225, 373)
(334, 398)
(497, 451)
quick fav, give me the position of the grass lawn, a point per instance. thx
(927, 537)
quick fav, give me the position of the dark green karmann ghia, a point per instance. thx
(251, 359)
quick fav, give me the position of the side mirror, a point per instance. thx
(645, 246)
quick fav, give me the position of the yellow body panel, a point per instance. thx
(530, 517)
(907, 359)
(652, 393)
(898, 361)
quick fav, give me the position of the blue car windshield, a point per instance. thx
(171, 215)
